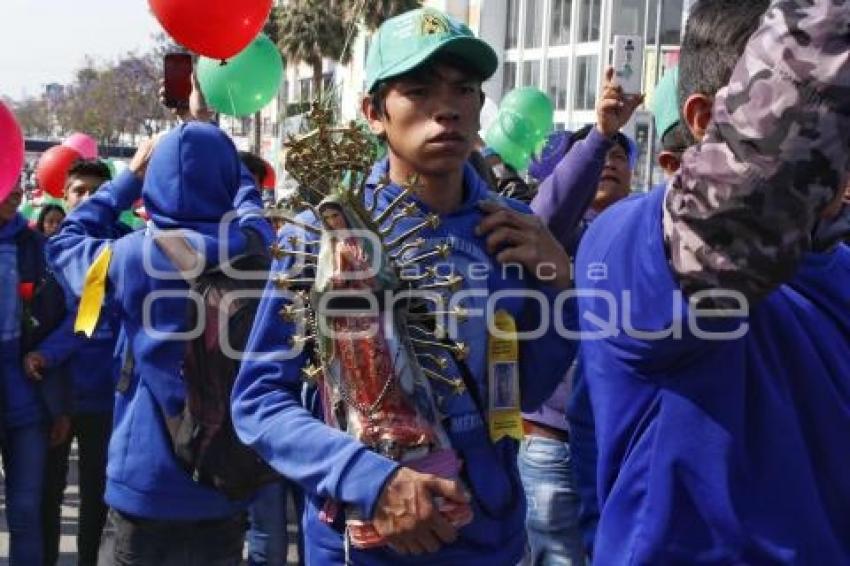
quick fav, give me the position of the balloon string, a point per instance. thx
(232, 102)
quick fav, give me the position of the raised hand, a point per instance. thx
(614, 108)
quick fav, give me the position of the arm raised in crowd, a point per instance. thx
(89, 227)
(740, 213)
(564, 196)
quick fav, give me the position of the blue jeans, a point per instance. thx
(268, 539)
(554, 538)
(24, 455)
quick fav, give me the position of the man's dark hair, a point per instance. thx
(619, 138)
(90, 168)
(715, 37)
(255, 165)
(426, 71)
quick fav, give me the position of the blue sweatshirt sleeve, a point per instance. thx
(249, 206)
(564, 196)
(62, 342)
(88, 228)
(268, 416)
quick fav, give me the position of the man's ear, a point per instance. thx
(372, 116)
(669, 162)
(697, 113)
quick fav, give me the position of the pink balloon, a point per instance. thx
(84, 144)
(11, 151)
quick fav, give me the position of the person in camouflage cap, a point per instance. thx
(714, 312)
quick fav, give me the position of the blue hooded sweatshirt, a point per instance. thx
(92, 384)
(328, 463)
(194, 179)
(21, 261)
(714, 451)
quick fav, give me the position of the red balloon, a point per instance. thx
(218, 29)
(52, 169)
(11, 151)
(270, 180)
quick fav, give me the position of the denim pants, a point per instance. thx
(268, 539)
(133, 541)
(24, 454)
(92, 431)
(554, 538)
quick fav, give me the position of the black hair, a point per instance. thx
(619, 138)
(45, 210)
(715, 36)
(90, 168)
(426, 71)
(254, 164)
(676, 139)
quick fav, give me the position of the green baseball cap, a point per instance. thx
(665, 102)
(408, 40)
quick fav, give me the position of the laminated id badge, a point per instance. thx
(503, 415)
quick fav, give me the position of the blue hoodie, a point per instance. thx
(21, 261)
(92, 384)
(193, 179)
(715, 451)
(330, 464)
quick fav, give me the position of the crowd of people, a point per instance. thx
(675, 388)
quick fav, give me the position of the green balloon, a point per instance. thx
(247, 82)
(28, 210)
(534, 105)
(520, 130)
(510, 152)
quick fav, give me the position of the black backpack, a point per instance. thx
(205, 442)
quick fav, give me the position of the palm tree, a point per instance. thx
(312, 30)
(372, 13)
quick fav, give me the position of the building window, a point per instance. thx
(590, 14)
(531, 73)
(327, 82)
(512, 35)
(305, 87)
(509, 79)
(533, 23)
(560, 22)
(556, 79)
(586, 79)
(630, 16)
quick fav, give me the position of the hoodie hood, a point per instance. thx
(474, 187)
(192, 179)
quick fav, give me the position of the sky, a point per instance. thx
(45, 41)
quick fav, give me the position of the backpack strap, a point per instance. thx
(188, 261)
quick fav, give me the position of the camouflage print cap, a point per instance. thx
(407, 41)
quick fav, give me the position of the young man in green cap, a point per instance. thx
(424, 76)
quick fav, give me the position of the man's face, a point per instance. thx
(616, 179)
(9, 206)
(79, 189)
(430, 123)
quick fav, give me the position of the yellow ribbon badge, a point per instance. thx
(94, 290)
